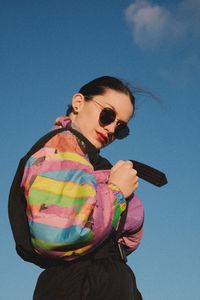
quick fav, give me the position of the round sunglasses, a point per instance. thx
(108, 116)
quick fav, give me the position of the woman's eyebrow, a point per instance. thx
(111, 106)
(108, 104)
(115, 112)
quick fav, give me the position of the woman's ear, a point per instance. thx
(78, 101)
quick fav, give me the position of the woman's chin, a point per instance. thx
(97, 144)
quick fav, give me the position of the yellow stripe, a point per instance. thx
(77, 251)
(69, 189)
(70, 156)
(114, 187)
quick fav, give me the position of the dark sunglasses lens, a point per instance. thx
(121, 131)
(107, 116)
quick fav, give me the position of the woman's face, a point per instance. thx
(87, 115)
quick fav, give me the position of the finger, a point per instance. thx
(118, 165)
(134, 172)
(136, 186)
(128, 164)
(135, 180)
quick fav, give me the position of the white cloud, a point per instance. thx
(152, 23)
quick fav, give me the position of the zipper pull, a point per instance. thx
(122, 252)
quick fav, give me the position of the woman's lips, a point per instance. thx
(102, 137)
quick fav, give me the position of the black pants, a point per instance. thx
(93, 278)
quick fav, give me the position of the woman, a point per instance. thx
(75, 203)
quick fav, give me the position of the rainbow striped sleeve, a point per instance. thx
(69, 211)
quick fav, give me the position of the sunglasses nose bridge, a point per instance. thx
(111, 127)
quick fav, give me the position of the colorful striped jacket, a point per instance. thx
(70, 207)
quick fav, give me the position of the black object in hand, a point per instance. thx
(149, 174)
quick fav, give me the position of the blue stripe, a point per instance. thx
(55, 235)
(119, 197)
(76, 176)
(31, 161)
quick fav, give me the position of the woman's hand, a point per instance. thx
(124, 176)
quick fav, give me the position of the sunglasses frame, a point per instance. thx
(121, 130)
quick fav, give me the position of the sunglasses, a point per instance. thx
(108, 116)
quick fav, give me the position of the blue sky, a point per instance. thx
(48, 50)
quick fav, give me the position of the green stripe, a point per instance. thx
(116, 215)
(41, 197)
(84, 241)
(44, 245)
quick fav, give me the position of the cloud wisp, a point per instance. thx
(152, 24)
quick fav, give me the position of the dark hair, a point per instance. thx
(99, 86)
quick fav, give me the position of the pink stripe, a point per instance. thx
(58, 217)
(43, 151)
(53, 165)
(135, 215)
(104, 214)
(132, 241)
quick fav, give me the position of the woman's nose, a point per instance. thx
(110, 128)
